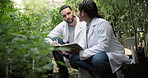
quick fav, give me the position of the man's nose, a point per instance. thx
(67, 16)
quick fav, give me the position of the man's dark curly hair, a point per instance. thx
(90, 8)
(64, 7)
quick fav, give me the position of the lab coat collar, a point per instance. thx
(92, 25)
(78, 28)
(94, 22)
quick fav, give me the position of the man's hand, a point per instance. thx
(63, 51)
(74, 51)
(55, 43)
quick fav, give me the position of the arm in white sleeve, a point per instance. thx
(56, 32)
(103, 37)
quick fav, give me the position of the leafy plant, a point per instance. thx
(23, 51)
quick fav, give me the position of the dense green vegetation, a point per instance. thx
(23, 51)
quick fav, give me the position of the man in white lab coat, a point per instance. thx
(71, 31)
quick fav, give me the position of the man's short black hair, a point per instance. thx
(63, 7)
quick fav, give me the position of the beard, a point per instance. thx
(69, 22)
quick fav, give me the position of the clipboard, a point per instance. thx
(71, 46)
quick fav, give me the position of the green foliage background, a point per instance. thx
(23, 51)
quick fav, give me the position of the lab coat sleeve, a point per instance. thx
(56, 32)
(104, 33)
(104, 37)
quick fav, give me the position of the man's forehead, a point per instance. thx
(64, 11)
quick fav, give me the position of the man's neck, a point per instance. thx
(74, 22)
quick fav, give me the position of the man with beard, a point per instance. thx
(71, 31)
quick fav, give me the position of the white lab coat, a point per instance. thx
(101, 39)
(63, 30)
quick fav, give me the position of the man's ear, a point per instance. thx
(73, 12)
